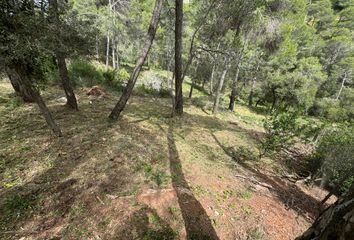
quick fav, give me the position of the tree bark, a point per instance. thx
(212, 78)
(336, 222)
(16, 84)
(192, 85)
(25, 83)
(64, 75)
(254, 79)
(191, 48)
(234, 89)
(234, 83)
(213, 71)
(63, 71)
(178, 107)
(145, 51)
(97, 48)
(107, 52)
(342, 86)
(113, 52)
(220, 85)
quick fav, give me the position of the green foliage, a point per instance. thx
(329, 108)
(281, 130)
(123, 75)
(336, 150)
(116, 78)
(83, 73)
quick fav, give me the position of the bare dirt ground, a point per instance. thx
(146, 176)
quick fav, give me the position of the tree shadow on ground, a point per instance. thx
(47, 199)
(289, 194)
(145, 223)
(197, 222)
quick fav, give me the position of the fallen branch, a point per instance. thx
(254, 181)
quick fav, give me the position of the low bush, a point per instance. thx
(328, 108)
(83, 73)
(154, 83)
(116, 78)
(281, 130)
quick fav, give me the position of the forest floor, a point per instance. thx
(147, 176)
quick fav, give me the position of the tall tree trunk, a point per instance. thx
(191, 48)
(234, 83)
(192, 85)
(234, 89)
(20, 90)
(211, 80)
(117, 55)
(25, 83)
(113, 52)
(342, 86)
(178, 107)
(204, 82)
(336, 222)
(97, 48)
(63, 71)
(220, 86)
(145, 51)
(254, 79)
(69, 92)
(107, 52)
(213, 70)
(274, 100)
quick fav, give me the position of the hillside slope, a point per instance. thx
(146, 176)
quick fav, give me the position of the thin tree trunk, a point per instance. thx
(212, 78)
(274, 100)
(113, 52)
(69, 92)
(213, 72)
(336, 222)
(234, 83)
(234, 89)
(220, 86)
(254, 79)
(203, 84)
(63, 71)
(20, 90)
(342, 86)
(191, 48)
(258, 102)
(24, 81)
(107, 52)
(178, 107)
(145, 51)
(171, 90)
(97, 49)
(192, 85)
(117, 56)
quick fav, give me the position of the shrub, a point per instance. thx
(83, 73)
(328, 108)
(336, 150)
(281, 130)
(154, 83)
(149, 90)
(116, 78)
(123, 75)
